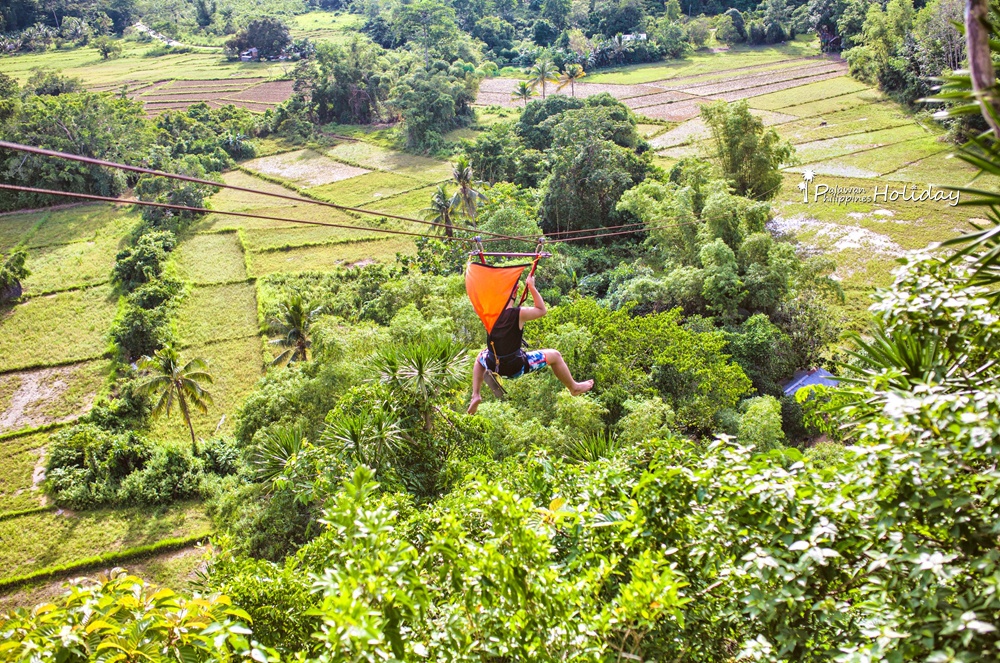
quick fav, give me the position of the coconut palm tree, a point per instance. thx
(523, 91)
(570, 76)
(292, 324)
(171, 381)
(443, 209)
(467, 194)
(543, 72)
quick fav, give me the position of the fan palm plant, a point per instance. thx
(590, 448)
(169, 381)
(291, 324)
(443, 209)
(541, 73)
(570, 76)
(278, 448)
(468, 194)
(372, 437)
(523, 91)
(422, 371)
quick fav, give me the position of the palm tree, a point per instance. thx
(467, 193)
(292, 325)
(523, 91)
(443, 209)
(170, 381)
(619, 47)
(543, 72)
(570, 76)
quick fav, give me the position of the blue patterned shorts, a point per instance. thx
(535, 362)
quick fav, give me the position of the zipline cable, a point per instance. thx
(199, 210)
(195, 180)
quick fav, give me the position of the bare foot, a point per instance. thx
(582, 387)
(474, 404)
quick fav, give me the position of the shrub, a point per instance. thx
(143, 262)
(169, 475)
(774, 33)
(755, 33)
(12, 272)
(760, 425)
(739, 26)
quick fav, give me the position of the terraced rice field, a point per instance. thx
(256, 94)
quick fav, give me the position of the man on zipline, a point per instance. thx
(504, 342)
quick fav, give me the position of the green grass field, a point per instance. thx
(217, 312)
(368, 188)
(210, 258)
(704, 62)
(276, 239)
(55, 329)
(330, 256)
(375, 157)
(42, 540)
(16, 472)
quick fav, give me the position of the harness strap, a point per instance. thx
(524, 295)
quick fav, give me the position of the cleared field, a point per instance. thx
(830, 104)
(17, 489)
(304, 168)
(210, 258)
(48, 395)
(366, 188)
(874, 116)
(217, 312)
(71, 224)
(235, 366)
(375, 157)
(56, 329)
(877, 161)
(42, 540)
(330, 256)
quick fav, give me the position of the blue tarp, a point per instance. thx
(810, 377)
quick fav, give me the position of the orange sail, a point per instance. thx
(491, 289)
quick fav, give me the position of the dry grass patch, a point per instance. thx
(304, 168)
(49, 395)
(272, 239)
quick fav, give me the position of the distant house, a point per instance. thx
(639, 36)
(806, 378)
(249, 55)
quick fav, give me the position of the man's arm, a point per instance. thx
(538, 309)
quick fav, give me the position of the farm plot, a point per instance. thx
(879, 160)
(763, 79)
(217, 312)
(874, 116)
(235, 366)
(256, 94)
(694, 130)
(42, 540)
(831, 148)
(374, 157)
(366, 188)
(304, 168)
(277, 239)
(18, 490)
(754, 91)
(406, 204)
(48, 395)
(56, 329)
(210, 258)
(702, 63)
(329, 257)
(497, 91)
(823, 97)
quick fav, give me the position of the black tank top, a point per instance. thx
(504, 342)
